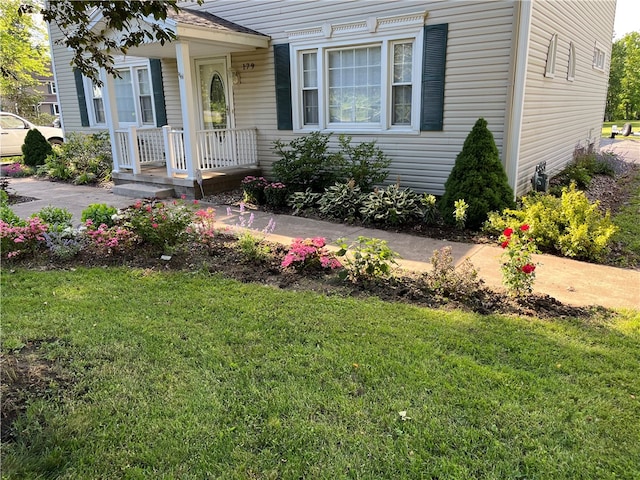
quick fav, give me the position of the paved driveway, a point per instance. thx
(627, 149)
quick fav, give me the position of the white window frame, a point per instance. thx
(133, 68)
(383, 32)
(571, 67)
(51, 87)
(599, 57)
(550, 68)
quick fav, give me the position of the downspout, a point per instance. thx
(516, 111)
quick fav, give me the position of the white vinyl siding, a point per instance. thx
(557, 117)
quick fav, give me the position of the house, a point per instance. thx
(49, 92)
(413, 76)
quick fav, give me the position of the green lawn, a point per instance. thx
(606, 129)
(192, 376)
(628, 234)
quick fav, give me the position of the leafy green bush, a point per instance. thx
(99, 213)
(301, 201)
(56, 218)
(159, 224)
(392, 206)
(366, 259)
(35, 148)
(342, 201)
(445, 280)
(307, 163)
(275, 194)
(8, 216)
(570, 224)
(582, 170)
(365, 163)
(478, 177)
(82, 158)
(253, 189)
(253, 248)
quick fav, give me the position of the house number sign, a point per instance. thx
(248, 66)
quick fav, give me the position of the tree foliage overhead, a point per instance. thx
(478, 178)
(91, 44)
(623, 97)
(23, 56)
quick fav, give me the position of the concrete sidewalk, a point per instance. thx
(569, 281)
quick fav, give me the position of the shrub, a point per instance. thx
(430, 212)
(275, 194)
(82, 158)
(35, 148)
(366, 259)
(342, 201)
(159, 224)
(253, 188)
(479, 177)
(310, 254)
(583, 168)
(58, 219)
(301, 201)
(18, 239)
(570, 224)
(8, 216)
(518, 268)
(306, 163)
(104, 240)
(99, 213)
(365, 163)
(392, 206)
(445, 280)
(64, 244)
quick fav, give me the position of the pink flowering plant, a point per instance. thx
(253, 188)
(105, 240)
(518, 267)
(22, 238)
(162, 225)
(276, 194)
(310, 253)
(202, 228)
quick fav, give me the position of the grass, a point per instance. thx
(626, 219)
(192, 376)
(635, 124)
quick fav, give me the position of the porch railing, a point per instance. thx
(215, 149)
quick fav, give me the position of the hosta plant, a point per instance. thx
(392, 206)
(342, 201)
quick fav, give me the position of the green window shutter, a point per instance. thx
(433, 67)
(82, 99)
(283, 86)
(158, 92)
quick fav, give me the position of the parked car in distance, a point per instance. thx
(13, 130)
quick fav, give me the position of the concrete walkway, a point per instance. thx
(569, 281)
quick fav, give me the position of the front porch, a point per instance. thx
(156, 157)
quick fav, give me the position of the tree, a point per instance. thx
(623, 96)
(92, 47)
(35, 148)
(23, 56)
(477, 177)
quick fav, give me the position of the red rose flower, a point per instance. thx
(505, 244)
(524, 227)
(507, 232)
(528, 268)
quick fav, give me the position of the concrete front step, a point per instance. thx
(139, 190)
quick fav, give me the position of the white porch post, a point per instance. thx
(188, 103)
(169, 150)
(111, 115)
(134, 149)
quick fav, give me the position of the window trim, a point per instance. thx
(322, 49)
(550, 68)
(571, 67)
(599, 57)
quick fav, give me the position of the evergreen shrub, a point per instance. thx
(478, 177)
(35, 148)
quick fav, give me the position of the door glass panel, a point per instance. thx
(214, 97)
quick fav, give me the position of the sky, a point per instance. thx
(627, 17)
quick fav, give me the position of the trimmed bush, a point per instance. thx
(365, 163)
(306, 163)
(99, 214)
(35, 148)
(478, 177)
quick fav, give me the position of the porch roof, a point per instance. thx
(207, 35)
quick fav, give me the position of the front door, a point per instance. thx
(214, 94)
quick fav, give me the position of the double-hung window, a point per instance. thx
(368, 86)
(134, 97)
